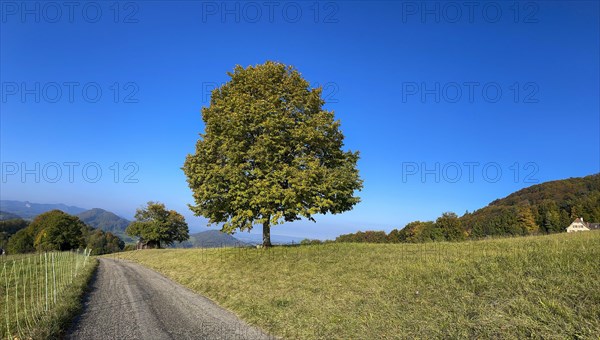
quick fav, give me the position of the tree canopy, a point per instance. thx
(52, 230)
(270, 153)
(155, 225)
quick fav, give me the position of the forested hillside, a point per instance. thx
(548, 207)
(540, 209)
(107, 221)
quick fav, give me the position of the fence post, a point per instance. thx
(46, 265)
(53, 279)
(7, 308)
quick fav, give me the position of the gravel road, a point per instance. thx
(128, 301)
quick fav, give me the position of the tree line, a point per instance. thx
(56, 230)
(540, 209)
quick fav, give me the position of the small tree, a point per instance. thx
(451, 227)
(527, 220)
(154, 225)
(270, 153)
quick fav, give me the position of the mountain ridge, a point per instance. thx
(29, 210)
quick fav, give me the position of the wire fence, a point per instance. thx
(30, 286)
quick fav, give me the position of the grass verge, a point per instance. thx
(55, 323)
(40, 294)
(539, 287)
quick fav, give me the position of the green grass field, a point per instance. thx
(541, 287)
(41, 293)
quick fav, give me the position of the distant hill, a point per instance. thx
(28, 210)
(107, 221)
(4, 216)
(544, 208)
(561, 191)
(551, 205)
(210, 239)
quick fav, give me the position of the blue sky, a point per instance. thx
(450, 106)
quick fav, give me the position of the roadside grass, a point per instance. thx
(537, 287)
(29, 306)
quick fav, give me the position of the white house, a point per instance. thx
(580, 225)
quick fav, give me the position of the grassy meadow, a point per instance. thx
(540, 287)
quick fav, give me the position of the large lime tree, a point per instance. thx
(269, 153)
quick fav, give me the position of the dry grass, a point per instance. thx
(540, 287)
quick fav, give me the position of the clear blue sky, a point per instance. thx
(416, 86)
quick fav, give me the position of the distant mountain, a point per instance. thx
(107, 221)
(210, 239)
(8, 216)
(28, 210)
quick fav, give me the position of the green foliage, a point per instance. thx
(367, 236)
(129, 247)
(9, 228)
(102, 242)
(155, 224)
(526, 220)
(547, 208)
(52, 230)
(450, 227)
(307, 242)
(269, 153)
(21, 242)
(58, 231)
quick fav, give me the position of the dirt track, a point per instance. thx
(128, 301)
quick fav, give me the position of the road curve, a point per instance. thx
(128, 301)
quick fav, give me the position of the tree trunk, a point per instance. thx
(267, 233)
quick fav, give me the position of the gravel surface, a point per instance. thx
(128, 301)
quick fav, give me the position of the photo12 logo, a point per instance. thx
(91, 12)
(470, 92)
(453, 172)
(270, 12)
(71, 172)
(472, 12)
(69, 91)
